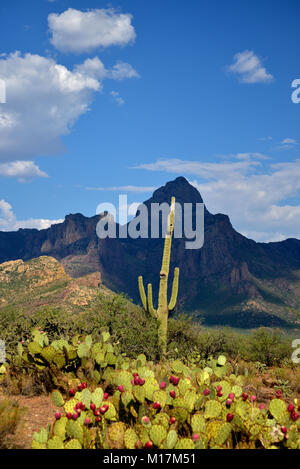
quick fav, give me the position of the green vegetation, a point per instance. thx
(124, 378)
(136, 404)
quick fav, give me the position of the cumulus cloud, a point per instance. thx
(96, 69)
(25, 171)
(44, 100)
(249, 68)
(254, 196)
(9, 222)
(78, 31)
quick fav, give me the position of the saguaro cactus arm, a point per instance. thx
(147, 302)
(142, 293)
(151, 310)
(174, 295)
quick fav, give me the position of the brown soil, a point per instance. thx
(39, 412)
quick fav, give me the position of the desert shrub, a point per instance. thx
(16, 327)
(129, 325)
(268, 347)
(10, 417)
(183, 336)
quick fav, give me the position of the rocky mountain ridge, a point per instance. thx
(230, 280)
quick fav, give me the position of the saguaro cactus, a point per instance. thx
(163, 309)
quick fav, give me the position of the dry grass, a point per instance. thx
(11, 415)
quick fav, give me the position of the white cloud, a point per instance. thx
(96, 69)
(289, 141)
(78, 31)
(252, 195)
(249, 68)
(123, 188)
(25, 171)
(44, 100)
(117, 98)
(205, 170)
(9, 222)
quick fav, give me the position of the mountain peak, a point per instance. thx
(180, 188)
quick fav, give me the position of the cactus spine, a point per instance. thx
(163, 309)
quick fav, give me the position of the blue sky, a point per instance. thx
(108, 98)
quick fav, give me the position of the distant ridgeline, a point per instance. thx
(230, 280)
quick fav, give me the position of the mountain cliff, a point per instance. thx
(230, 280)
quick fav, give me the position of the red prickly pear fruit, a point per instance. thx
(97, 413)
(219, 388)
(75, 416)
(87, 421)
(148, 445)
(174, 380)
(121, 388)
(145, 419)
(98, 419)
(244, 396)
(278, 393)
(284, 430)
(196, 437)
(219, 394)
(163, 385)
(142, 382)
(172, 420)
(139, 444)
(93, 406)
(228, 402)
(84, 385)
(172, 394)
(103, 409)
(294, 416)
(72, 392)
(231, 396)
(229, 417)
(253, 398)
(79, 387)
(135, 374)
(132, 382)
(206, 392)
(105, 396)
(262, 406)
(136, 380)
(69, 415)
(57, 415)
(156, 405)
(290, 407)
